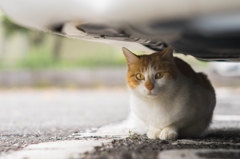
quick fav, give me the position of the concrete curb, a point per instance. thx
(64, 78)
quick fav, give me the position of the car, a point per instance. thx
(207, 30)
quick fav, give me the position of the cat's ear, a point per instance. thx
(167, 53)
(130, 57)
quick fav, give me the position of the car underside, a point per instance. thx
(206, 30)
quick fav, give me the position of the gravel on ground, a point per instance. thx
(140, 147)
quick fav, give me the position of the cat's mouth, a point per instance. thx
(152, 95)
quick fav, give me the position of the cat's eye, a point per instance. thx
(139, 76)
(158, 75)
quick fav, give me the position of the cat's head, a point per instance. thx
(150, 75)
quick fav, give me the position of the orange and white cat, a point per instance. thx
(168, 99)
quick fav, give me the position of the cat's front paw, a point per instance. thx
(153, 133)
(168, 134)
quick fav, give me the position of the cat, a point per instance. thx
(168, 99)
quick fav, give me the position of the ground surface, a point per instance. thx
(140, 147)
(34, 116)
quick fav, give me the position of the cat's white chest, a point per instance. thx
(153, 112)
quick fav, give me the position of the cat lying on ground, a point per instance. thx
(168, 98)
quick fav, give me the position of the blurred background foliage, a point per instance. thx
(22, 48)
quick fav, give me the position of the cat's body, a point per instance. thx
(168, 99)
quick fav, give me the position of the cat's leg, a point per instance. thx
(153, 133)
(169, 133)
(136, 124)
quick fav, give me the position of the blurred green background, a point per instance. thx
(22, 48)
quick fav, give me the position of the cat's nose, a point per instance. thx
(148, 84)
(149, 87)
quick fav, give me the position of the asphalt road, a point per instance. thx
(32, 116)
